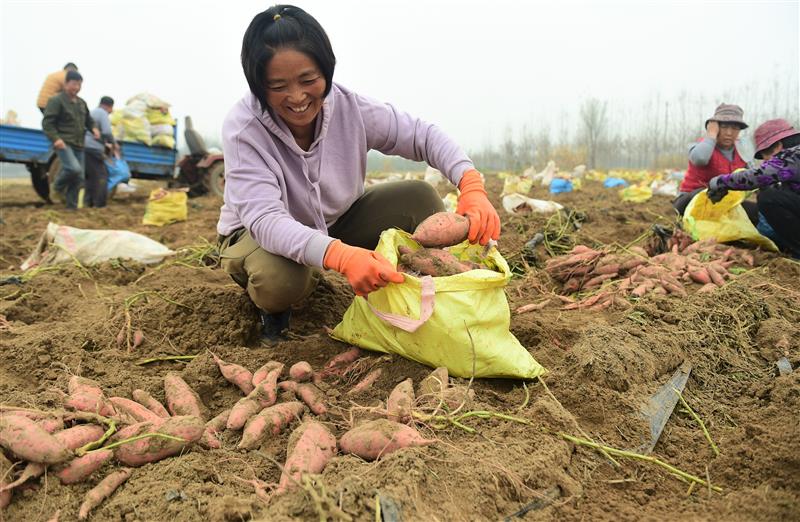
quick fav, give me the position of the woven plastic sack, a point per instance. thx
(724, 221)
(62, 244)
(430, 319)
(165, 207)
(636, 193)
(163, 140)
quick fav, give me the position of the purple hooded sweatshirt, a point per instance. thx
(287, 197)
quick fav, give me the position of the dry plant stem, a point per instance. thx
(378, 516)
(324, 505)
(699, 421)
(609, 457)
(142, 436)
(647, 458)
(167, 358)
(527, 397)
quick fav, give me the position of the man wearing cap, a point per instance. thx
(713, 155)
(96, 173)
(778, 181)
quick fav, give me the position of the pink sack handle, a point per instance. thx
(425, 309)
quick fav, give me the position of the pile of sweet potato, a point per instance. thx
(435, 234)
(93, 428)
(633, 272)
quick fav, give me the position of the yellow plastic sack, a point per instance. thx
(156, 117)
(163, 140)
(724, 221)
(426, 318)
(165, 207)
(636, 193)
(516, 185)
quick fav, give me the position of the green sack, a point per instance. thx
(427, 319)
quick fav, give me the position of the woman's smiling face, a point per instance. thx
(295, 89)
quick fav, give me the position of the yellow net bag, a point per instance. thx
(165, 207)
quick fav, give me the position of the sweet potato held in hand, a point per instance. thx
(442, 229)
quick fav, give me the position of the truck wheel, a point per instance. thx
(40, 182)
(215, 179)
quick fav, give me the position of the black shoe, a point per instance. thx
(274, 326)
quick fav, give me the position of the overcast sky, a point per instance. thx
(474, 68)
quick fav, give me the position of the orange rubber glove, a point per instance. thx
(364, 269)
(484, 222)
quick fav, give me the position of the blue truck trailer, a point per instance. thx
(31, 148)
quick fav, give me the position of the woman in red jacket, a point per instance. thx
(714, 155)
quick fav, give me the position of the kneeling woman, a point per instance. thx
(778, 178)
(295, 163)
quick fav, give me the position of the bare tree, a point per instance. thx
(595, 120)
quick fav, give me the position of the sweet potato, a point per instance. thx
(700, 276)
(31, 470)
(51, 424)
(365, 383)
(181, 398)
(138, 338)
(133, 409)
(263, 395)
(343, 359)
(236, 374)
(269, 421)
(401, 402)
(152, 449)
(5, 478)
(442, 229)
(290, 386)
(102, 491)
(301, 371)
(311, 446)
(147, 400)
(80, 435)
(262, 372)
(707, 288)
(30, 442)
(313, 397)
(432, 262)
(435, 383)
(80, 468)
(86, 395)
(209, 439)
(377, 438)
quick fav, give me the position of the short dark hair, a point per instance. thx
(73, 76)
(107, 100)
(72, 65)
(791, 141)
(284, 26)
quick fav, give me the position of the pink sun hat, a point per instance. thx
(771, 132)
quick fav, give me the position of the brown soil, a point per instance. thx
(602, 366)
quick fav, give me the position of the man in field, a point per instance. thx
(66, 119)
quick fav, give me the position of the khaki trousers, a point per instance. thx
(275, 283)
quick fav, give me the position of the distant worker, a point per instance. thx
(65, 121)
(53, 84)
(96, 192)
(778, 181)
(713, 155)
